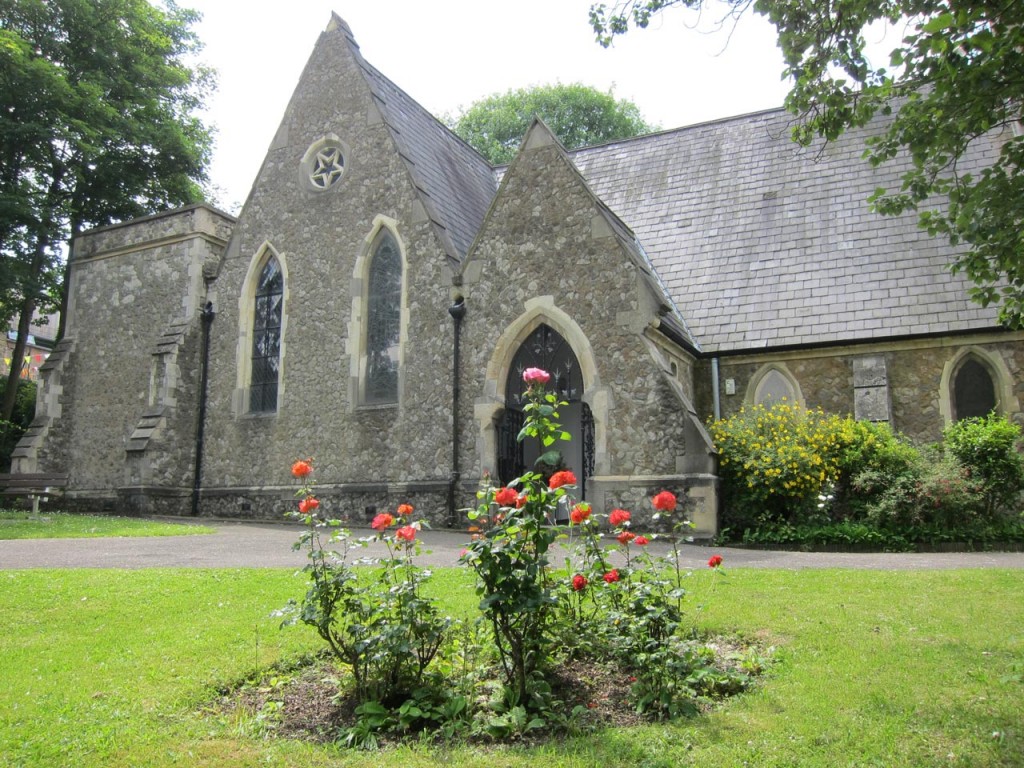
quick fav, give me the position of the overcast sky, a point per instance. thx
(447, 54)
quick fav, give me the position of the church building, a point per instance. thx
(383, 288)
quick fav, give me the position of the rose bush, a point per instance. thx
(384, 630)
(616, 605)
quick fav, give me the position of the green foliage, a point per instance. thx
(796, 478)
(952, 81)
(868, 536)
(578, 114)
(11, 431)
(845, 535)
(385, 631)
(632, 615)
(510, 557)
(804, 478)
(99, 102)
(988, 448)
(934, 490)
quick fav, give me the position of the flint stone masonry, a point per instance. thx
(654, 258)
(132, 282)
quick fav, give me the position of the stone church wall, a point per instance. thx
(911, 379)
(131, 285)
(366, 457)
(547, 254)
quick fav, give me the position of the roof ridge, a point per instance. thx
(454, 183)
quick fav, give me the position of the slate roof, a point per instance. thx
(758, 243)
(455, 183)
(764, 244)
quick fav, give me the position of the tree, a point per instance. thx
(956, 75)
(97, 102)
(578, 114)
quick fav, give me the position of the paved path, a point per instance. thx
(265, 545)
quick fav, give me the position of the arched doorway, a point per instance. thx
(545, 348)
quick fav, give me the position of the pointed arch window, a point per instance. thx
(383, 322)
(774, 386)
(974, 390)
(266, 338)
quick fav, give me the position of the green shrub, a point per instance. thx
(872, 450)
(987, 449)
(11, 431)
(935, 490)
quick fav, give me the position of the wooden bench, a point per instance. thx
(34, 485)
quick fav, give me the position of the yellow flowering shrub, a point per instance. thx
(775, 461)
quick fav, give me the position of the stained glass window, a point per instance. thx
(266, 339)
(383, 323)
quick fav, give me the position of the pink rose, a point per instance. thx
(533, 376)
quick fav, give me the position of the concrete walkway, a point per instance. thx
(265, 545)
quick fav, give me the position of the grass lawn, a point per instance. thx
(19, 524)
(111, 668)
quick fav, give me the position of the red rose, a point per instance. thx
(302, 468)
(382, 522)
(533, 376)
(641, 541)
(579, 582)
(308, 504)
(406, 533)
(665, 501)
(714, 561)
(565, 477)
(625, 537)
(404, 510)
(506, 497)
(618, 517)
(611, 576)
(579, 513)
(521, 501)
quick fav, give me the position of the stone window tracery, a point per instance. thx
(383, 322)
(328, 166)
(266, 338)
(325, 163)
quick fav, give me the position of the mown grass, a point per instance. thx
(112, 668)
(20, 524)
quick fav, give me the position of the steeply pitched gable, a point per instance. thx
(454, 182)
(538, 138)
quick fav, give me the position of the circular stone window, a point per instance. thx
(324, 163)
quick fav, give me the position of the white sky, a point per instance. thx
(447, 54)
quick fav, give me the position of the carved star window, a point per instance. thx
(328, 167)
